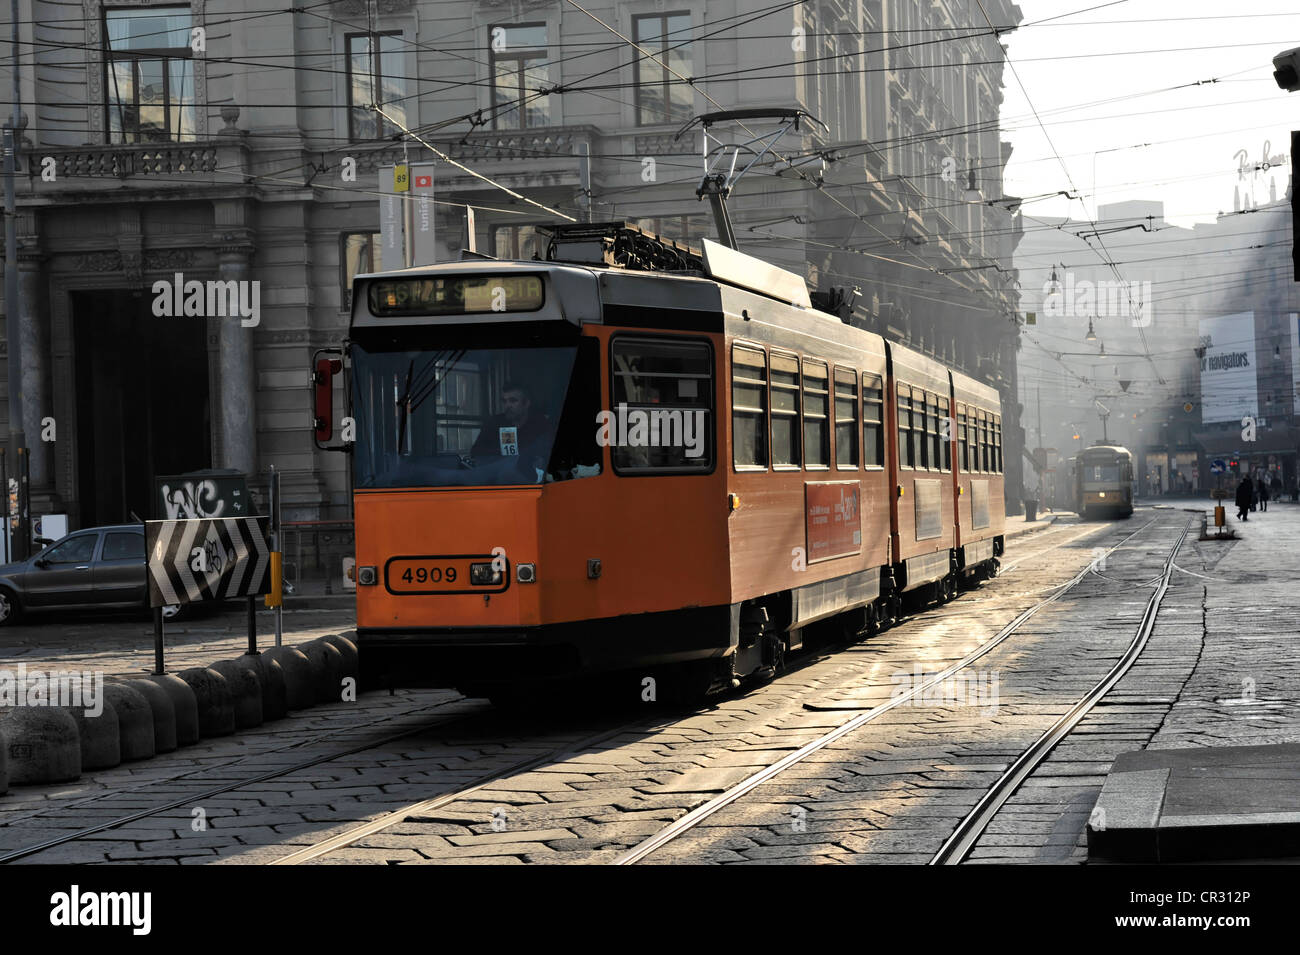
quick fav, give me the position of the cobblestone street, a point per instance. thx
(469, 784)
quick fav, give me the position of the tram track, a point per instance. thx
(695, 817)
(523, 765)
(967, 833)
(358, 833)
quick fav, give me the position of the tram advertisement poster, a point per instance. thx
(833, 519)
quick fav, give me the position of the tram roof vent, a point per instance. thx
(621, 245)
(747, 271)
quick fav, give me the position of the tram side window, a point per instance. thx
(977, 440)
(997, 444)
(846, 419)
(663, 390)
(963, 461)
(934, 460)
(984, 442)
(972, 440)
(748, 407)
(873, 418)
(906, 455)
(945, 435)
(920, 438)
(785, 411)
(816, 415)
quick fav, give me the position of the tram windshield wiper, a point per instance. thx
(422, 385)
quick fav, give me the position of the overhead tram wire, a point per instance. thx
(463, 168)
(998, 306)
(1074, 188)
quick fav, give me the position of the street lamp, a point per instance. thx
(1091, 336)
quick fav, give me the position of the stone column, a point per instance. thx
(235, 406)
(235, 411)
(36, 364)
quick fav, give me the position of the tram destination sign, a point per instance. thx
(456, 295)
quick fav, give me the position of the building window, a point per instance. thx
(149, 76)
(519, 242)
(519, 70)
(375, 77)
(748, 407)
(846, 419)
(661, 96)
(785, 412)
(873, 421)
(360, 253)
(663, 390)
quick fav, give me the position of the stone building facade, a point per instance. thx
(228, 141)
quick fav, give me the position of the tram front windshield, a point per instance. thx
(1101, 473)
(474, 416)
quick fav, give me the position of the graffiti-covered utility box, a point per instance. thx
(214, 492)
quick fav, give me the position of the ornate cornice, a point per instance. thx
(358, 8)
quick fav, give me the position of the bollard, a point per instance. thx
(327, 670)
(101, 745)
(184, 703)
(215, 702)
(134, 721)
(42, 744)
(271, 677)
(245, 691)
(161, 710)
(351, 658)
(300, 690)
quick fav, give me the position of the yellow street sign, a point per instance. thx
(401, 178)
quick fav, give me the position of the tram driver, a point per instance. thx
(523, 441)
(517, 432)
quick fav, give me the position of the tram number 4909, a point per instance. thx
(429, 575)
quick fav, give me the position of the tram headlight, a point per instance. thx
(526, 573)
(483, 575)
(368, 576)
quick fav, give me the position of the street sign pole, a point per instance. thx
(275, 598)
(252, 626)
(158, 667)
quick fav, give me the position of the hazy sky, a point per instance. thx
(1101, 89)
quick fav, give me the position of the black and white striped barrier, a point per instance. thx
(207, 559)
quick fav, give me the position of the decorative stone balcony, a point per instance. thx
(124, 162)
(544, 145)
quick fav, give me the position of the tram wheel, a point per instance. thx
(948, 588)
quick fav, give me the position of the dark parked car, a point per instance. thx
(100, 568)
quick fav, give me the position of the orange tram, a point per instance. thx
(577, 466)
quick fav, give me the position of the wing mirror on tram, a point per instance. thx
(322, 379)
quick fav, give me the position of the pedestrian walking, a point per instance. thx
(1245, 499)
(1261, 492)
